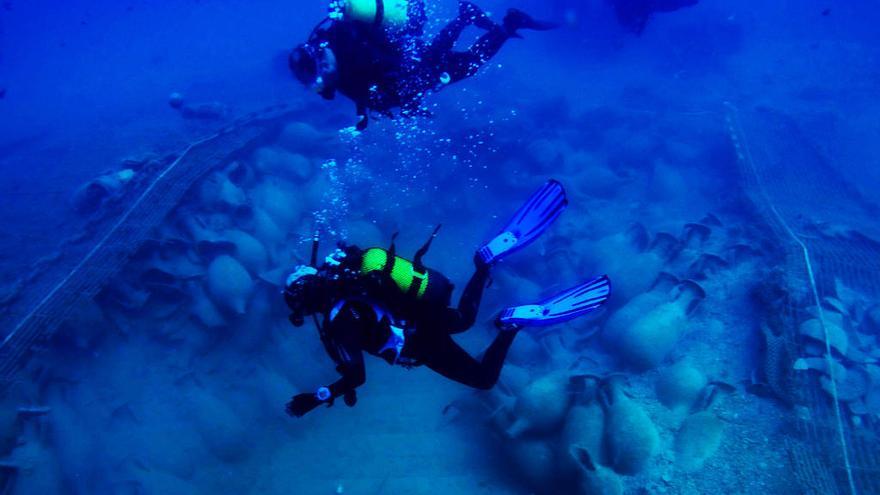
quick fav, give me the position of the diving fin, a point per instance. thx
(530, 221)
(569, 304)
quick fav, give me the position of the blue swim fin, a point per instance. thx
(569, 304)
(530, 221)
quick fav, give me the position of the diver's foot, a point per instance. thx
(528, 223)
(475, 15)
(517, 19)
(566, 305)
(481, 264)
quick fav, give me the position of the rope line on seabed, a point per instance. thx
(97, 246)
(102, 242)
(39, 323)
(744, 153)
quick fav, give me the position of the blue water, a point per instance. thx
(165, 383)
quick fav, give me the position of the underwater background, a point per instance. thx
(721, 168)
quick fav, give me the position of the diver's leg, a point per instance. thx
(488, 45)
(465, 64)
(446, 38)
(417, 18)
(468, 14)
(469, 303)
(444, 356)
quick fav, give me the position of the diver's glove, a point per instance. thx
(362, 122)
(303, 403)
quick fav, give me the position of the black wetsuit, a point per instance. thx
(354, 330)
(381, 71)
(352, 325)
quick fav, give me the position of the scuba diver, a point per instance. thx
(373, 52)
(635, 14)
(376, 302)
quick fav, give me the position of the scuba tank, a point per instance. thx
(398, 291)
(378, 275)
(385, 13)
(415, 282)
(396, 281)
(412, 279)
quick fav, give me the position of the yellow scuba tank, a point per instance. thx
(426, 285)
(387, 13)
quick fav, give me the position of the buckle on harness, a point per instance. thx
(395, 342)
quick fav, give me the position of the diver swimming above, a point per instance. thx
(373, 52)
(377, 302)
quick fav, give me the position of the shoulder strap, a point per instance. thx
(380, 13)
(313, 259)
(392, 254)
(314, 34)
(417, 261)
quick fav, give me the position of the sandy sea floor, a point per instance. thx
(174, 379)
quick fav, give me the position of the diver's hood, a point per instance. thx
(314, 64)
(298, 274)
(303, 63)
(297, 293)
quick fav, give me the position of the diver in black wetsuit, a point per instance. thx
(376, 302)
(356, 324)
(635, 14)
(380, 68)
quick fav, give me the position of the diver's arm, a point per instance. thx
(353, 373)
(362, 114)
(351, 367)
